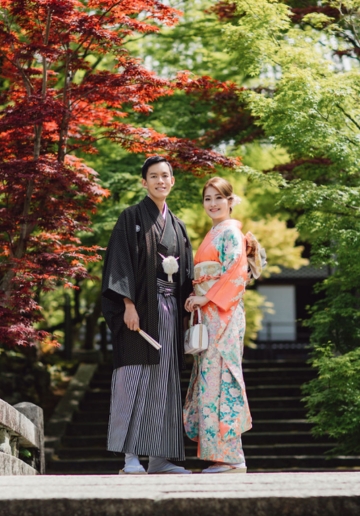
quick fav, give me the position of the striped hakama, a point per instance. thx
(146, 408)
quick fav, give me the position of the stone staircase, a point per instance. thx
(280, 439)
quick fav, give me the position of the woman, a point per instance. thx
(216, 410)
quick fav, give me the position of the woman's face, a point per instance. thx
(216, 206)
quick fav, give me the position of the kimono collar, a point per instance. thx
(225, 223)
(154, 211)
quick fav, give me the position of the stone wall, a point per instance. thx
(21, 439)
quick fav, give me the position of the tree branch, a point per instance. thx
(348, 116)
(66, 102)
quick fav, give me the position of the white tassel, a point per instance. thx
(170, 266)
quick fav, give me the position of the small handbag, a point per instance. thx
(196, 337)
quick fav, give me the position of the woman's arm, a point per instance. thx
(230, 287)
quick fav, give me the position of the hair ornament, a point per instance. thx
(235, 200)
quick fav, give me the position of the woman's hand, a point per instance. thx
(131, 317)
(194, 302)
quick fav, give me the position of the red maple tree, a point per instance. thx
(58, 99)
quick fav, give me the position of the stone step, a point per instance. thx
(266, 375)
(250, 438)
(258, 391)
(279, 441)
(264, 381)
(297, 362)
(285, 402)
(278, 364)
(280, 425)
(198, 470)
(261, 391)
(275, 402)
(300, 449)
(83, 441)
(102, 414)
(254, 463)
(302, 463)
(261, 494)
(272, 438)
(95, 406)
(262, 413)
(275, 371)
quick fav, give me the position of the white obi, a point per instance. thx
(206, 275)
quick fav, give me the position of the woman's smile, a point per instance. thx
(216, 206)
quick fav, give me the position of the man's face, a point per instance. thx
(158, 181)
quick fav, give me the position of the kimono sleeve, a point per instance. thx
(230, 287)
(256, 255)
(120, 262)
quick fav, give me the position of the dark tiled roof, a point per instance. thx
(309, 271)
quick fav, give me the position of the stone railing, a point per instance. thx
(21, 439)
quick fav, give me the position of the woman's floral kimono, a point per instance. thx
(216, 410)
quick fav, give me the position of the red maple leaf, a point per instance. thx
(56, 101)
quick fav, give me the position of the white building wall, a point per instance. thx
(280, 325)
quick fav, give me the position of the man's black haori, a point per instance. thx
(130, 271)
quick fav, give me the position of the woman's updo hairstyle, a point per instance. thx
(224, 188)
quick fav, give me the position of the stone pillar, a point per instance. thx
(14, 443)
(36, 416)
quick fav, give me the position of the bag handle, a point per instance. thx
(192, 317)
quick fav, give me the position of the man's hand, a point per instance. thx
(131, 317)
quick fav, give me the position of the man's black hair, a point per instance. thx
(151, 161)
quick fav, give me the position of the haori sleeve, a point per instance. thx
(120, 261)
(230, 287)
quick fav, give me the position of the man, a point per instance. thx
(146, 411)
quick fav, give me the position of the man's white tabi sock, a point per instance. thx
(132, 465)
(161, 465)
(131, 460)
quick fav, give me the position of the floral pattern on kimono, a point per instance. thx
(216, 410)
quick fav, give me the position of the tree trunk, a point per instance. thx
(26, 228)
(91, 324)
